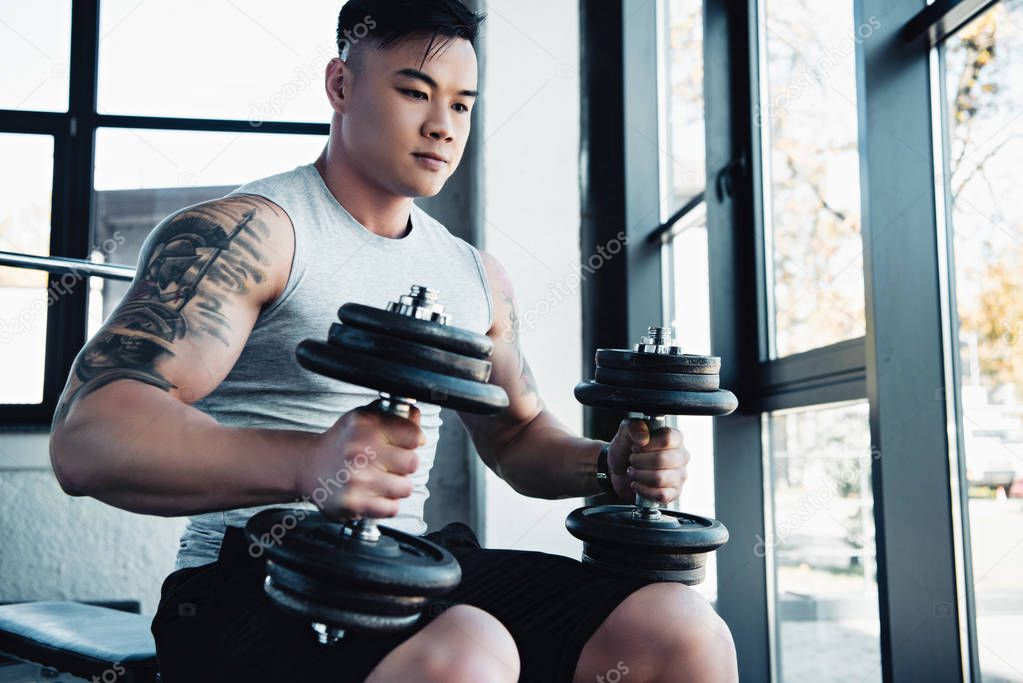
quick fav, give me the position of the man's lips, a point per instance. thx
(430, 155)
(431, 161)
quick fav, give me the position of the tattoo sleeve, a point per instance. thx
(202, 256)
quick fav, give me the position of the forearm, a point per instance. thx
(545, 460)
(140, 449)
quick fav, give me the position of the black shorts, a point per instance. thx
(215, 623)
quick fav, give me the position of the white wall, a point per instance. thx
(531, 132)
(55, 547)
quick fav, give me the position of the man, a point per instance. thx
(189, 402)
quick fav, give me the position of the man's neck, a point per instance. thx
(383, 214)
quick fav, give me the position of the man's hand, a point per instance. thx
(361, 465)
(652, 465)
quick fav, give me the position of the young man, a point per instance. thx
(189, 401)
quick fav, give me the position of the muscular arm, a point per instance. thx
(125, 431)
(526, 445)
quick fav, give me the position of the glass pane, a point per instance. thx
(35, 46)
(683, 170)
(142, 176)
(821, 544)
(984, 85)
(807, 116)
(24, 304)
(252, 61)
(688, 297)
(26, 184)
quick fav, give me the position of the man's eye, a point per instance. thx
(461, 108)
(415, 94)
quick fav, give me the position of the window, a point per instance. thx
(821, 543)
(860, 222)
(25, 228)
(35, 36)
(982, 72)
(251, 61)
(151, 61)
(808, 123)
(683, 166)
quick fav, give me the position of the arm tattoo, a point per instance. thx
(203, 255)
(528, 382)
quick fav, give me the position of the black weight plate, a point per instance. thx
(400, 380)
(333, 594)
(446, 337)
(309, 543)
(686, 569)
(332, 616)
(656, 401)
(622, 359)
(646, 379)
(409, 353)
(674, 532)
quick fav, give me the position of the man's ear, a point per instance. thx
(336, 83)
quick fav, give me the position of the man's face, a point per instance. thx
(398, 112)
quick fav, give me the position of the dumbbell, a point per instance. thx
(357, 575)
(642, 541)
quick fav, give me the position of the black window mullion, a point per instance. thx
(942, 18)
(829, 374)
(72, 205)
(916, 553)
(744, 599)
(38, 122)
(209, 125)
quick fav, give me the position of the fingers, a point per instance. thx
(389, 485)
(659, 495)
(401, 461)
(637, 430)
(372, 494)
(660, 460)
(642, 439)
(399, 431)
(658, 479)
(662, 439)
(365, 505)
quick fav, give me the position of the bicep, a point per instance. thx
(510, 370)
(203, 276)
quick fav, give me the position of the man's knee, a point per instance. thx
(465, 643)
(682, 627)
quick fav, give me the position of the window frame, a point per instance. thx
(910, 411)
(74, 136)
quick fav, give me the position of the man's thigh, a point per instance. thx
(550, 604)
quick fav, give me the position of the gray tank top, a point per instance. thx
(336, 261)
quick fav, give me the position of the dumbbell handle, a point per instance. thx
(366, 527)
(649, 507)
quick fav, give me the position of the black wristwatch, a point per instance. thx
(603, 473)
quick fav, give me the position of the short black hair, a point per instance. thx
(384, 23)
